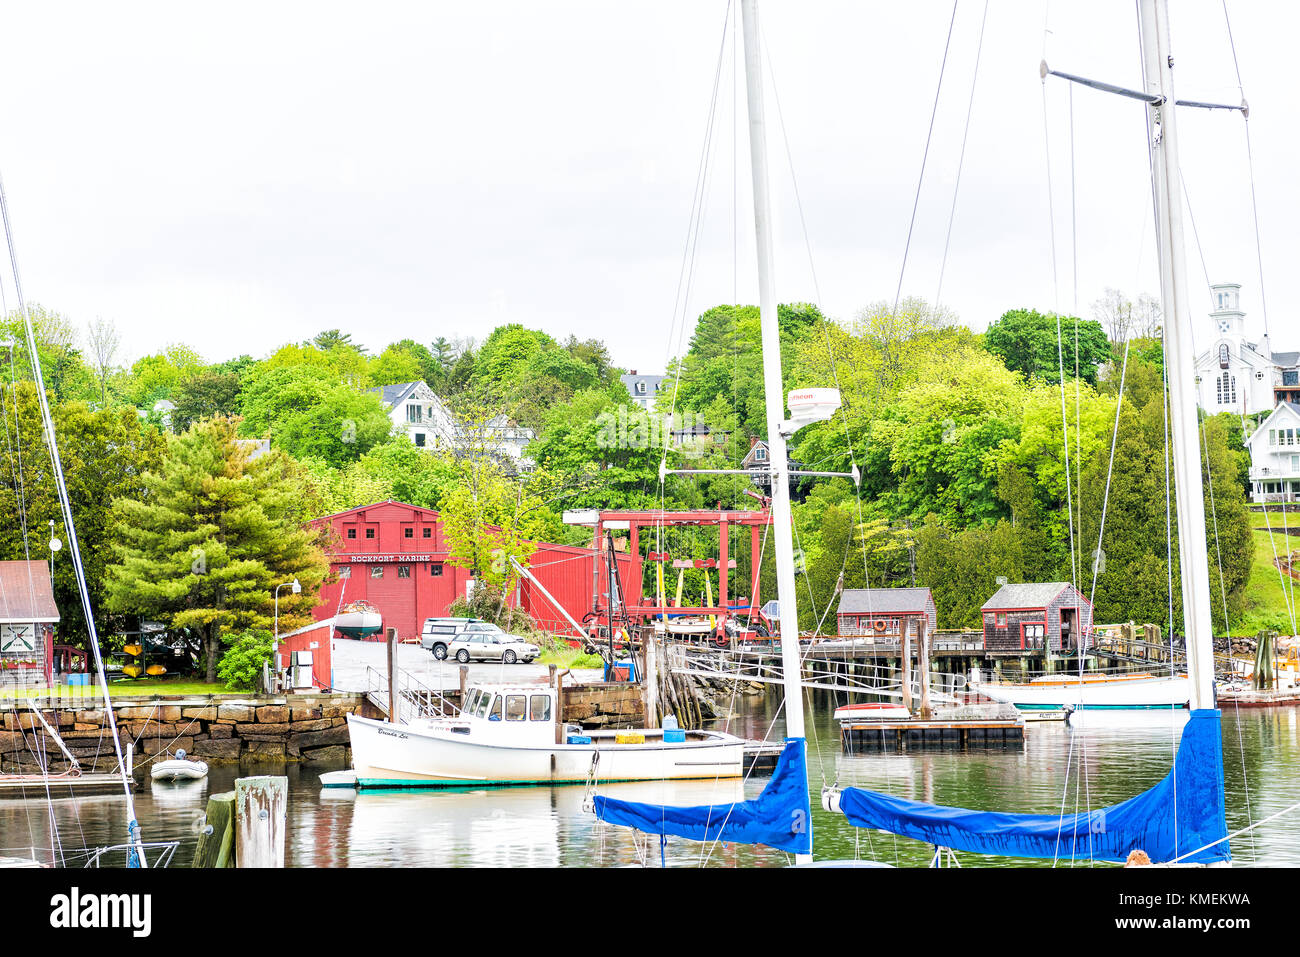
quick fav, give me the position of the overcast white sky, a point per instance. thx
(241, 175)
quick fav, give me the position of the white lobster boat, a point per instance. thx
(1093, 692)
(507, 735)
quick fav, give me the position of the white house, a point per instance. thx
(416, 409)
(1234, 375)
(1275, 456)
(643, 388)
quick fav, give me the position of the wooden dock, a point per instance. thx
(916, 735)
(60, 785)
(762, 755)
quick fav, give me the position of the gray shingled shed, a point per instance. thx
(884, 611)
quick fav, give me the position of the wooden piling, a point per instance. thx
(924, 664)
(394, 706)
(217, 839)
(261, 806)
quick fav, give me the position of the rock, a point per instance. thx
(220, 731)
(265, 751)
(320, 724)
(261, 730)
(227, 750)
(336, 711)
(201, 714)
(336, 754)
(233, 713)
(305, 714)
(317, 739)
(273, 714)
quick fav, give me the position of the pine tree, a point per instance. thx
(213, 535)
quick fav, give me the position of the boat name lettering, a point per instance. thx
(392, 734)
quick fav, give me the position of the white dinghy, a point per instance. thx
(179, 768)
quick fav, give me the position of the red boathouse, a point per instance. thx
(396, 556)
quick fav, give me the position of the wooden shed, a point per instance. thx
(27, 619)
(885, 612)
(1040, 616)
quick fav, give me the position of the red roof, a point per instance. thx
(25, 592)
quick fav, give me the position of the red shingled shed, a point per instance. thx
(27, 619)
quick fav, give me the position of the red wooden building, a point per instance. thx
(28, 617)
(396, 556)
(1051, 616)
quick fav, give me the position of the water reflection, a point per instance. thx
(1099, 758)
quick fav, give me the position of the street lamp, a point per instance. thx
(275, 643)
(297, 590)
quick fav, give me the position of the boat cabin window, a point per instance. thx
(540, 707)
(494, 712)
(471, 702)
(516, 707)
(480, 709)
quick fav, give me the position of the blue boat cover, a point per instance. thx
(1181, 814)
(779, 817)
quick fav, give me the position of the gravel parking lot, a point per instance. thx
(352, 658)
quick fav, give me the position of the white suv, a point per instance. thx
(438, 633)
(483, 641)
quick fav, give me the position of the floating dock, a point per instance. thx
(914, 735)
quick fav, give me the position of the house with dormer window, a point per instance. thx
(417, 410)
(643, 388)
(1275, 456)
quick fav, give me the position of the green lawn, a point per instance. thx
(123, 689)
(1266, 604)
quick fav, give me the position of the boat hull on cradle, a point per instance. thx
(1090, 695)
(358, 624)
(400, 756)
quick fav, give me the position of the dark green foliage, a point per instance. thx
(1030, 342)
(241, 665)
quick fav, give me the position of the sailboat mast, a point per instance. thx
(1157, 68)
(778, 462)
(136, 857)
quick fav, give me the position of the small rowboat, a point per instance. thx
(179, 768)
(872, 711)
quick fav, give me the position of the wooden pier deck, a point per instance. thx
(60, 785)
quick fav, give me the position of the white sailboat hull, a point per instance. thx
(387, 755)
(1173, 692)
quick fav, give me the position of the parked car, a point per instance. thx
(438, 633)
(482, 641)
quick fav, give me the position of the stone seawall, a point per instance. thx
(218, 729)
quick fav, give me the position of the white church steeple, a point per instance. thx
(1228, 319)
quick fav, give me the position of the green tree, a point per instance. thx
(204, 547)
(204, 394)
(1038, 344)
(308, 413)
(105, 454)
(67, 377)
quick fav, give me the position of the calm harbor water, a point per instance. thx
(1095, 761)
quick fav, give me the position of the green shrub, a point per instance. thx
(489, 604)
(241, 665)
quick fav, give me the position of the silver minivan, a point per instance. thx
(438, 633)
